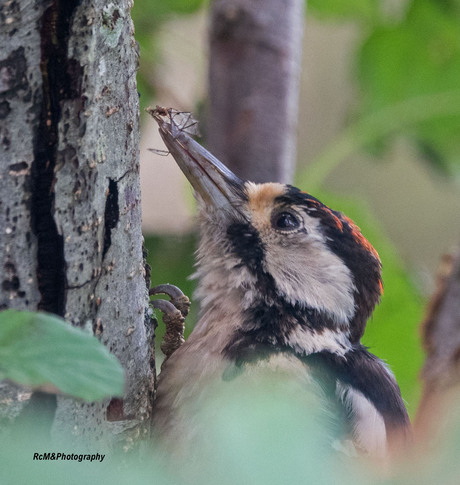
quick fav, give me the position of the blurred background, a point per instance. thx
(378, 138)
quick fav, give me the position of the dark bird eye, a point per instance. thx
(285, 221)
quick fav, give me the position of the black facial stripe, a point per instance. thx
(283, 317)
(273, 324)
(366, 271)
(295, 197)
(364, 372)
(246, 244)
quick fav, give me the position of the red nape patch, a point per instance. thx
(359, 238)
(323, 208)
(335, 219)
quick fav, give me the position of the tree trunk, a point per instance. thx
(70, 195)
(20, 99)
(255, 62)
(441, 340)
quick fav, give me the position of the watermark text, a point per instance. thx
(50, 456)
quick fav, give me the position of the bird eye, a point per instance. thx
(285, 221)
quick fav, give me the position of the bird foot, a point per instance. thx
(174, 313)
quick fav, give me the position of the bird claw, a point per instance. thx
(174, 313)
(178, 299)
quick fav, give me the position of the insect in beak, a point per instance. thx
(218, 186)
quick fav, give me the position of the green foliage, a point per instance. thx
(261, 431)
(410, 55)
(253, 435)
(152, 11)
(338, 9)
(371, 130)
(19, 466)
(418, 56)
(265, 429)
(41, 350)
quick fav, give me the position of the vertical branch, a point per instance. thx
(441, 340)
(255, 59)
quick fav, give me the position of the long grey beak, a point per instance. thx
(218, 186)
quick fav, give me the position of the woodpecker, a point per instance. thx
(285, 282)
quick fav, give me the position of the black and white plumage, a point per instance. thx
(285, 283)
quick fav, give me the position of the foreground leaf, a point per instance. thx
(41, 350)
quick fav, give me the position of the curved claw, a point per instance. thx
(166, 289)
(178, 299)
(165, 306)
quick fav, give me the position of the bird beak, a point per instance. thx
(218, 186)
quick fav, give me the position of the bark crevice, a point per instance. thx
(111, 214)
(60, 77)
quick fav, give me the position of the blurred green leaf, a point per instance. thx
(154, 10)
(376, 127)
(20, 464)
(416, 57)
(267, 428)
(257, 431)
(338, 9)
(40, 350)
(252, 438)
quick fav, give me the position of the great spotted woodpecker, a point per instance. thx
(284, 282)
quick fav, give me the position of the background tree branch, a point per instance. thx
(441, 341)
(255, 54)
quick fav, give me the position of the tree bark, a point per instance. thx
(70, 212)
(255, 62)
(20, 99)
(441, 340)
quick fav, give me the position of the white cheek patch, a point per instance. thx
(308, 272)
(369, 431)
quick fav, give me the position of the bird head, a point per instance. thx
(293, 261)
